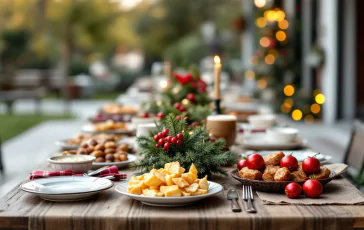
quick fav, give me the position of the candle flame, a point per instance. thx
(217, 60)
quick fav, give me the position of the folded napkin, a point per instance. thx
(110, 171)
(338, 191)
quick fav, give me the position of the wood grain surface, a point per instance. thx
(111, 210)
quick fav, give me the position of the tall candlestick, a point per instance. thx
(217, 62)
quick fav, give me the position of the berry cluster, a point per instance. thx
(163, 140)
(191, 97)
(160, 115)
(180, 107)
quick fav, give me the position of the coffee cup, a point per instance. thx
(145, 129)
(222, 126)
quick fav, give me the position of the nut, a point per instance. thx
(123, 147)
(90, 149)
(72, 151)
(100, 147)
(123, 157)
(110, 144)
(109, 156)
(97, 153)
(108, 161)
(84, 145)
(109, 150)
(116, 156)
(100, 159)
(93, 142)
(82, 151)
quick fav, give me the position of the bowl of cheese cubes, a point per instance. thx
(169, 186)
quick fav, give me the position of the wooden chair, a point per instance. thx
(354, 156)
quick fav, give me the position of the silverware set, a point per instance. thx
(246, 195)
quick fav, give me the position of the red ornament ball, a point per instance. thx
(157, 146)
(165, 132)
(178, 142)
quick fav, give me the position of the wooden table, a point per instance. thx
(111, 210)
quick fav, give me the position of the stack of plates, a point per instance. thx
(67, 188)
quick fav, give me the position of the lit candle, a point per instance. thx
(217, 62)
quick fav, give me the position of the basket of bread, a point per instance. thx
(273, 172)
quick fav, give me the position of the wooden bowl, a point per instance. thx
(273, 186)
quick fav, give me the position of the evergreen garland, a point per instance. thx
(208, 156)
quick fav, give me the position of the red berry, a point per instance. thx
(212, 139)
(161, 141)
(157, 146)
(177, 105)
(166, 146)
(174, 140)
(182, 108)
(289, 162)
(156, 137)
(186, 117)
(191, 97)
(312, 188)
(255, 161)
(160, 115)
(165, 132)
(169, 138)
(178, 142)
(311, 165)
(178, 117)
(179, 136)
(241, 164)
(160, 135)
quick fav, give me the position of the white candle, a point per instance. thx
(217, 62)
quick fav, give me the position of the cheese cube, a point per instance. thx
(193, 170)
(189, 177)
(184, 193)
(152, 180)
(169, 180)
(135, 190)
(192, 188)
(180, 182)
(171, 191)
(173, 167)
(203, 183)
(200, 192)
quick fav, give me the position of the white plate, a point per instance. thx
(67, 188)
(89, 128)
(300, 155)
(258, 141)
(214, 188)
(122, 164)
(65, 146)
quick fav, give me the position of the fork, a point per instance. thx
(247, 194)
(95, 172)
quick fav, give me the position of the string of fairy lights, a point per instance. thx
(269, 41)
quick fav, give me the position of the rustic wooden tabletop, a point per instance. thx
(109, 210)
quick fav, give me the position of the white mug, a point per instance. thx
(145, 129)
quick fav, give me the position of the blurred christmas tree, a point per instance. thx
(275, 68)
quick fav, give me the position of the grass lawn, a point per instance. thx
(12, 125)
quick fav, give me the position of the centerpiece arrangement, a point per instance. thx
(186, 93)
(176, 141)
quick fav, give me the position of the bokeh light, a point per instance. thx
(264, 41)
(261, 22)
(285, 108)
(262, 83)
(315, 108)
(283, 24)
(249, 74)
(269, 59)
(260, 3)
(185, 101)
(270, 15)
(288, 90)
(306, 109)
(309, 119)
(320, 98)
(289, 101)
(279, 15)
(273, 52)
(296, 115)
(281, 36)
(163, 84)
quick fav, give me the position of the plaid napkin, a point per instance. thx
(110, 171)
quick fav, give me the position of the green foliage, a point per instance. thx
(14, 44)
(208, 157)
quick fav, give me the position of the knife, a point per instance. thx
(233, 196)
